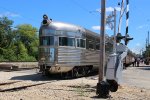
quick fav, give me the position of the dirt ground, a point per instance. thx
(30, 85)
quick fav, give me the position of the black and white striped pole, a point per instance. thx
(127, 39)
(127, 16)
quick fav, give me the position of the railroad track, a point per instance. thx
(12, 66)
(7, 83)
(18, 88)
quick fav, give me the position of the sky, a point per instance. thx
(84, 13)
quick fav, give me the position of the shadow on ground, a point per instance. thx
(39, 77)
(144, 68)
(36, 77)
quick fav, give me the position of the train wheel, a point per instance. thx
(64, 75)
(89, 70)
(45, 73)
(75, 72)
(84, 72)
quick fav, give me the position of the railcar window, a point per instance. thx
(90, 44)
(48, 32)
(47, 40)
(97, 46)
(109, 47)
(65, 41)
(81, 43)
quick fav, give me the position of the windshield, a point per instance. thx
(47, 41)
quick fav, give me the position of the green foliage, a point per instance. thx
(20, 44)
(146, 53)
(27, 35)
(5, 32)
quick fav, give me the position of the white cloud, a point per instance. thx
(118, 8)
(107, 28)
(110, 9)
(9, 14)
(138, 44)
(98, 28)
(142, 26)
(137, 48)
(135, 51)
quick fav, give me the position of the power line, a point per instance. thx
(79, 5)
(82, 7)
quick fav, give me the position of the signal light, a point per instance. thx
(127, 39)
(46, 21)
(45, 16)
(119, 37)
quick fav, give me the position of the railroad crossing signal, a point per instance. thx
(119, 37)
(127, 39)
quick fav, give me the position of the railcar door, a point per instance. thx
(51, 55)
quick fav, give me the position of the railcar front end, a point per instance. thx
(67, 48)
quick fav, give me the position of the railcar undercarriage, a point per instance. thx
(75, 72)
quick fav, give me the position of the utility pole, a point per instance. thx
(148, 43)
(102, 42)
(114, 45)
(102, 86)
(148, 38)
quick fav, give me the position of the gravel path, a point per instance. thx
(139, 76)
(135, 86)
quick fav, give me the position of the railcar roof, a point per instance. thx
(56, 25)
(89, 32)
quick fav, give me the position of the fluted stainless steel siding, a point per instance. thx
(78, 56)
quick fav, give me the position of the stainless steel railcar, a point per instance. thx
(67, 48)
(128, 60)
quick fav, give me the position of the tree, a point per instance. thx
(17, 44)
(6, 38)
(27, 34)
(5, 32)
